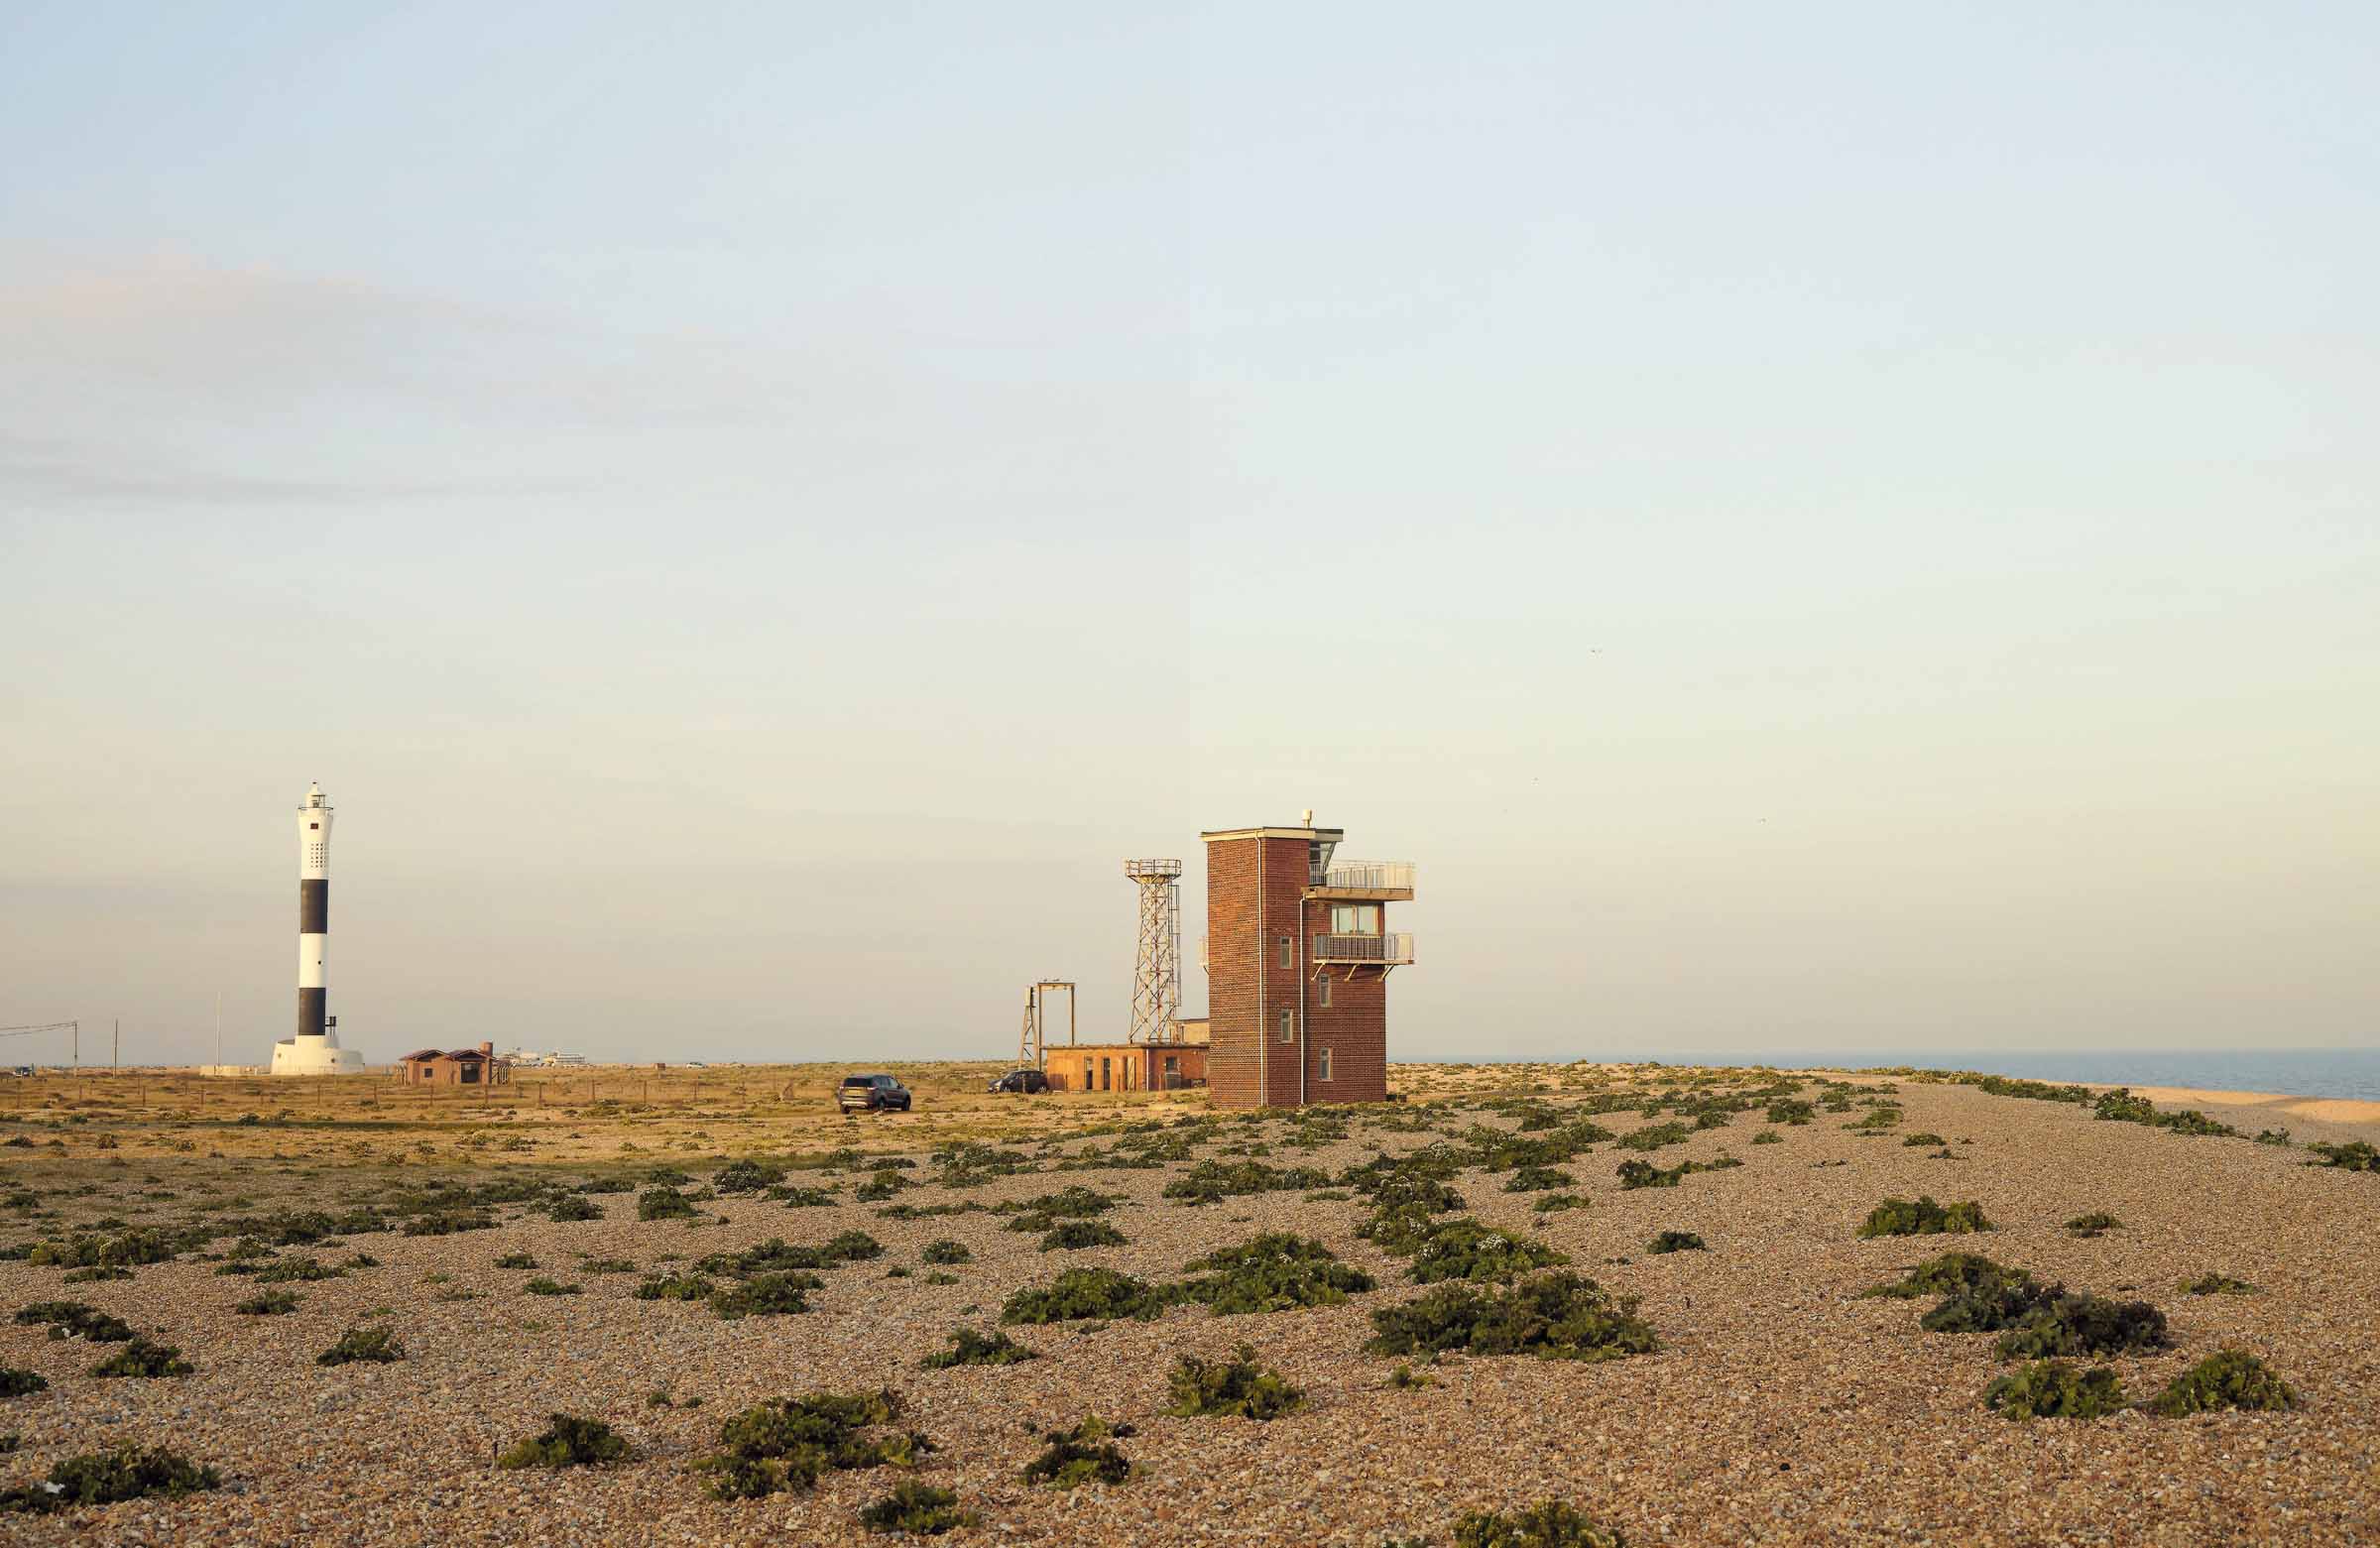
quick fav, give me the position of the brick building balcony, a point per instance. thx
(1365, 881)
(1394, 951)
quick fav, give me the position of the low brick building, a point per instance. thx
(456, 1067)
(1124, 1066)
(1298, 958)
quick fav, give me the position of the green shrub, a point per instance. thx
(1557, 1316)
(1235, 1387)
(1915, 1141)
(1987, 1304)
(17, 1383)
(2212, 1283)
(2055, 1389)
(2095, 1223)
(802, 1198)
(1081, 1293)
(1924, 1218)
(1211, 1181)
(1086, 1454)
(1877, 1121)
(1654, 1136)
(141, 1357)
(1406, 1379)
(970, 1348)
(1537, 1179)
(1768, 1137)
(446, 1223)
(544, 1286)
(2121, 1107)
(1072, 1234)
(298, 1271)
(1464, 1248)
(1553, 1203)
(915, 1509)
(1645, 1174)
(515, 1261)
(2077, 1323)
(662, 1204)
(946, 1251)
(1275, 1271)
(2273, 1136)
(674, 1288)
(108, 1477)
(781, 1294)
(880, 1187)
(570, 1207)
(1547, 1524)
(375, 1345)
(1044, 1211)
(2357, 1156)
(268, 1303)
(73, 1319)
(1675, 1241)
(2229, 1378)
(1948, 1274)
(745, 1176)
(1791, 1111)
(786, 1444)
(566, 1441)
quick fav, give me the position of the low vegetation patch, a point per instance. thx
(371, 1345)
(2057, 1389)
(946, 1252)
(2359, 1157)
(1211, 1181)
(1235, 1389)
(915, 1509)
(1923, 1217)
(1538, 1179)
(786, 1444)
(781, 1294)
(1086, 1454)
(1275, 1271)
(1084, 1293)
(268, 1303)
(1547, 1524)
(970, 1348)
(19, 1383)
(141, 1357)
(1465, 1248)
(515, 1261)
(73, 1319)
(1555, 1203)
(1654, 1136)
(674, 1288)
(2228, 1379)
(2095, 1223)
(2079, 1323)
(1675, 1241)
(2212, 1283)
(109, 1478)
(2120, 1106)
(544, 1286)
(1073, 1234)
(567, 1441)
(1948, 1274)
(1557, 1316)
(663, 1204)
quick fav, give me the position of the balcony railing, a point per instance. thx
(1369, 876)
(1392, 950)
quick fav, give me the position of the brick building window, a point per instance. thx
(1322, 1065)
(1289, 1026)
(1286, 960)
(1354, 918)
(1326, 994)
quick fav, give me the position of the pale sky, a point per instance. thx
(1816, 527)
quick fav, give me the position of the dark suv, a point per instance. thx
(1031, 1081)
(878, 1092)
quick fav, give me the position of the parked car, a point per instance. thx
(1031, 1081)
(880, 1093)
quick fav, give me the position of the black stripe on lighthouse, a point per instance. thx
(310, 1011)
(313, 908)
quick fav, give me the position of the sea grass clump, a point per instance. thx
(783, 1445)
(1547, 1524)
(2057, 1389)
(1231, 1389)
(1080, 1294)
(970, 1348)
(1086, 1454)
(567, 1441)
(1923, 1217)
(1556, 1316)
(1274, 1272)
(915, 1509)
(2228, 1379)
(109, 1478)
(371, 1345)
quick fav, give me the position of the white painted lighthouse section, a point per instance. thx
(312, 950)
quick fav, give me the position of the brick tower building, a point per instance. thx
(1298, 957)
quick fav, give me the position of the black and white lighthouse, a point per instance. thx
(316, 1049)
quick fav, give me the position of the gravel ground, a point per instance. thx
(1783, 1409)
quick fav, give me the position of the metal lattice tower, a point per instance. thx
(1157, 967)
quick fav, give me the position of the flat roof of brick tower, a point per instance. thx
(1332, 834)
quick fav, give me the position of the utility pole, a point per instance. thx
(115, 1048)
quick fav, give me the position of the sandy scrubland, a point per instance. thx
(1744, 1391)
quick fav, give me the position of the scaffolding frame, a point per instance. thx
(1157, 963)
(1030, 1043)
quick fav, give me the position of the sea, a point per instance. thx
(2295, 1072)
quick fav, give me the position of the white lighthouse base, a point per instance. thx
(315, 1054)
